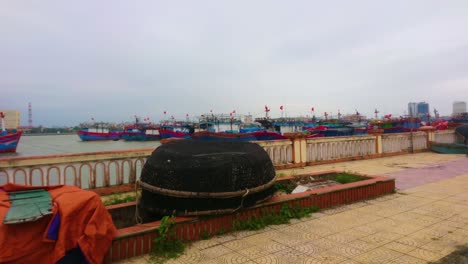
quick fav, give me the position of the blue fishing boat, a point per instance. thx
(90, 134)
(141, 132)
(9, 141)
(98, 131)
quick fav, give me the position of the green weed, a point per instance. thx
(165, 245)
(273, 218)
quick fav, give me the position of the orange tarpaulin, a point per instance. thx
(84, 223)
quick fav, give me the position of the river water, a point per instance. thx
(63, 144)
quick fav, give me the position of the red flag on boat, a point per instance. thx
(2, 115)
(312, 109)
(281, 108)
(165, 112)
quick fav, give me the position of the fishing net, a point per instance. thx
(191, 176)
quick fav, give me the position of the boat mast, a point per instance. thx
(2, 115)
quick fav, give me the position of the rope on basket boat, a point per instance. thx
(138, 219)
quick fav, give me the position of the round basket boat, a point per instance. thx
(191, 177)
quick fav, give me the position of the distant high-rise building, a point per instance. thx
(12, 119)
(423, 111)
(423, 108)
(412, 109)
(459, 107)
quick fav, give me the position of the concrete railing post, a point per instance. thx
(378, 140)
(299, 147)
(430, 135)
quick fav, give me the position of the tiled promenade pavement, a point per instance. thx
(422, 222)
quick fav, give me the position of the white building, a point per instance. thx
(12, 119)
(459, 107)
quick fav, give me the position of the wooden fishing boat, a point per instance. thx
(8, 140)
(141, 132)
(89, 134)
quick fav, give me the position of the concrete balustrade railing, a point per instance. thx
(410, 142)
(85, 170)
(100, 170)
(280, 151)
(445, 136)
(329, 149)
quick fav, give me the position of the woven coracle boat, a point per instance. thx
(192, 177)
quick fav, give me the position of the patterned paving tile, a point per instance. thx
(418, 225)
(431, 233)
(426, 221)
(215, 252)
(234, 258)
(245, 233)
(325, 243)
(366, 229)
(349, 261)
(378, 255)
(269, 259)
(405, 259)
(341, 238)
(224, 238)
(460, 238)
(325, 257)
(191, 255)
(455, 224)
(355, 233)
(309, 249)
(335, 210)
(362, 245)
(442, 247)
(289, 240)
(237, 244)
(310, 236)
(414, 242)
(346, 251)
(376, 239)
(202, 244)
(252, 252)
(321, 230)
(278, 227)
(406, 229)
(272, 246)
(259, 238)
(388, 235)
(405, 217)
(402, 248)
(425, 254)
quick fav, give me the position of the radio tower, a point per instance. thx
(30, 122)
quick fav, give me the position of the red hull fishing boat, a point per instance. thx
(8, 140)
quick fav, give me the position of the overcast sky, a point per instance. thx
(110, 60)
